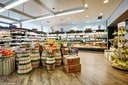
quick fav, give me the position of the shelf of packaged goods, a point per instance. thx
(17, 33)
(5, 40)
(90, 47)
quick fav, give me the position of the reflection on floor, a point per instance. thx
(96, 70)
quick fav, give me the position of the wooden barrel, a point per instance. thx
(50, 63)
(22, 69)
(43, 61)
(35, 64)
(58, 60)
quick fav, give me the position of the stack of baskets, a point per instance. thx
(50, 62)
(35, 58)
(23, 60)
(64, 49)
(43, 58)
(58, 58)
(51, 56)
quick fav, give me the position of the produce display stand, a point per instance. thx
(7, 65)
(24, 61)
(51, 56)
(35, 58)
(120, 56)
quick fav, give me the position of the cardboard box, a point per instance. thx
(72, 68)
(71, 59)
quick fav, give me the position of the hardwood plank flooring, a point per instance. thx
(96, 70)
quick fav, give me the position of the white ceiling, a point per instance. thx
(32, 8)
(95, 7)
(63, 4)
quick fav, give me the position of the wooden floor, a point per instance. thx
(96, 70)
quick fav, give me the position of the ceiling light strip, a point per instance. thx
(45, 17)
(51, 16)
(70, 12)
(12, 5)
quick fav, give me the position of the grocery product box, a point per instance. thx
(72, 68)
(71, 59)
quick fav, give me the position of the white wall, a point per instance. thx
(31, 26)
(80, 26)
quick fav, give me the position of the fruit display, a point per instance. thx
(6, 53)
(51, 55)
(120, 55)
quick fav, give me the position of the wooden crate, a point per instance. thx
(7, 65)
(71, 59)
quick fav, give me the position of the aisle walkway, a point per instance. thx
(96, 70)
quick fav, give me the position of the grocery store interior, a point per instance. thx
(63, 42)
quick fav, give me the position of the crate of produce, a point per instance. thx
(7, 65)
(71, 59)
(72, 68)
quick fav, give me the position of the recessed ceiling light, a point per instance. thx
(101, 14)
(68, 18)
(86, 5)
(105, 1)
